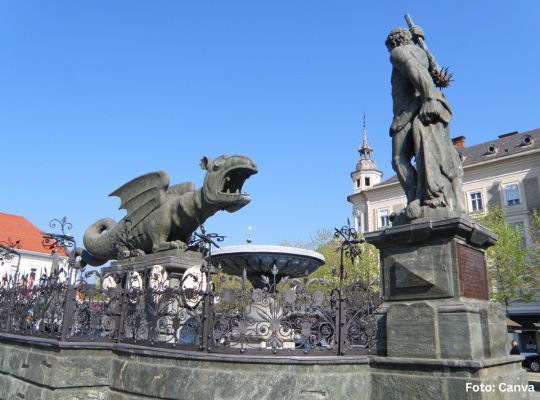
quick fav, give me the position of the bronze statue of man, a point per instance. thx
(420, 129)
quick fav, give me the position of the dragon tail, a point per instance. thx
(99, 243)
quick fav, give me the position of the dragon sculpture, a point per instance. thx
(163, 217)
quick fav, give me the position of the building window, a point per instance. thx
(358, 183)
(384, 217)
(475, 201)
(511, 194)
(366, 181)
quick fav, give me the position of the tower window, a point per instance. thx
(367, 181)
(358, 183)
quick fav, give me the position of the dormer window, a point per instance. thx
(367, 181)
(526, 140)
(492, 149)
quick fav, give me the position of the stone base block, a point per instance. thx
(465, 330)
(402, 378)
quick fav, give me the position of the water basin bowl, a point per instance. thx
(258, 260)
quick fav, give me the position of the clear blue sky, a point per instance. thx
(95, 93)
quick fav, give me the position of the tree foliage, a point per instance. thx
(511, 267)
(534, 237)
(366, 266)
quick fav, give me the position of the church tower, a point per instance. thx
(367, 173)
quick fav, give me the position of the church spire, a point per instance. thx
(366, 162)
(365, 149)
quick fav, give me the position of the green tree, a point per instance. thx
(534, 237)
(366, 266)
(511, 269)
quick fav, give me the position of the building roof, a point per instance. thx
(16, 227)
(506, 145)
(512, 324)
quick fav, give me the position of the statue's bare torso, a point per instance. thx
(403, 90)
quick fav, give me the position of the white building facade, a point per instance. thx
(31, 260)
(503, 172)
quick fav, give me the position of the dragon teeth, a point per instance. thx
(237, 191)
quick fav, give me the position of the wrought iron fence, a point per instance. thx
(201, 310)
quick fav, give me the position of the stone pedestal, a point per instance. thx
(434, 259)
(435, 291)
(174, 261)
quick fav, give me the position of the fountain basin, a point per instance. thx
(258, 260)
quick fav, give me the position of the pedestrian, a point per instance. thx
(515, 348)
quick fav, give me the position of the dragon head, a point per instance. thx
(224, 180)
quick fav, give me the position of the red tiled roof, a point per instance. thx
(16, 227)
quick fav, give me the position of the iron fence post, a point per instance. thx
(206, 331)
(123, 309)
(69, 311)
(11, 308)
(203, 242)
(342, 327)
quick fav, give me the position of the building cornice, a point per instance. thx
(376, 171)
(39, 254)
(356, 195)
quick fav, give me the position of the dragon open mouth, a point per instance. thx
(234, 180)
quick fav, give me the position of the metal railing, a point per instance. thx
(201, 309)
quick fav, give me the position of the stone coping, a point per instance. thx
(422, 231)
(175, 259)
(475, 364)
(450, 305)
(130, 349)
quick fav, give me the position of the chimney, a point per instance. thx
(459, 142)
(508, 134)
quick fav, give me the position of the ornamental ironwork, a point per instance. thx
(8, 250)
(203, 309)
(57, 241)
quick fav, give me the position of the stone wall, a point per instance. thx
(42, 369)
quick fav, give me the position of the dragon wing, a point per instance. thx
(142, 195)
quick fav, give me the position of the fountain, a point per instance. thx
(259, 260)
